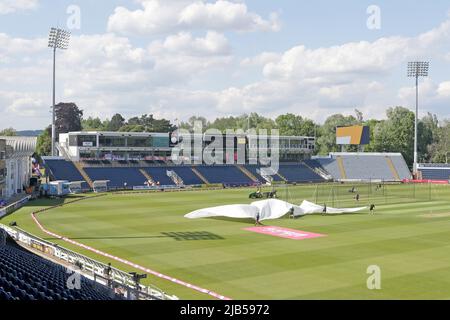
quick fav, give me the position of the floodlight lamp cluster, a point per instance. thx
(418, 69)
(58, 39)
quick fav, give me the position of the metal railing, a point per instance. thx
(117, 280)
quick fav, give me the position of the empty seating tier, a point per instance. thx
(63, 170)
(118, 177)
(159, 175)
(299, 173)
(365, 166)
(26, 276)
(228, 175)
(435, 173)
(187, 175)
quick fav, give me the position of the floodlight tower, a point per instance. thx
(417, 69)
(58, 39)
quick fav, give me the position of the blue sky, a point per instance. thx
(177, 58)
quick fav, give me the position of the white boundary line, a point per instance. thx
(155, 273)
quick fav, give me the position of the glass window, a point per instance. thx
(161, 142)
(86, 141)
(73, 141)
(139, 142)
(111, 141)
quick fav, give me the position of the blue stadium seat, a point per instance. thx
(63, 170)
(159, 174)
(26, 276)
(299, 173)
(435, 173)
(117, 176)
(228, 175)
(188, 176)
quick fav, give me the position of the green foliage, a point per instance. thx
(396, 134)
(116, 122)
(44, 143)
(68, 118)
(327, 140)
(294, 125)
(94, 124)
(8, 132)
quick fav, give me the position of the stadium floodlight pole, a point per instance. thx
(58, 39)
(417, 69)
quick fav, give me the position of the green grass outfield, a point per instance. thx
(408, 238)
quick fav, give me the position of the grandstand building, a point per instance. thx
(362, 166)
(114, 146)
(436, 172)
(123, 146)
(15, 164)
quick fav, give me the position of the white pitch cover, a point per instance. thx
(268, 209)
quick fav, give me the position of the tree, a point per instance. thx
(44, 142)
(8, 132)
(147, 123)
(326, 142)
(372, 124)
(359, 116)
(116, 122)
(439, 150)
(396, 134)
(189, 125)
(68, 118)
(93, 124)
(293, 125)
(427, 133)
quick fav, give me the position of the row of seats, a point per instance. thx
(63, 170)
(364, 166)
(439, 173)
(230, 175)
(299, 173)
(26, 276)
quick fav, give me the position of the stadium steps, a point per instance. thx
(83, 173)
(247, 173)
(340, 163)
(318, 171)
(392, 168)
(281, 177)
(147, 176)
(175, 177)
(199, 175)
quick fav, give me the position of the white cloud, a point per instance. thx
(160, 17)
(223, 15)
(444, 89)
(11, 6)
(183, 43)
(195, 73)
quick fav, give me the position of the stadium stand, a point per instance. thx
(159, 174)
(117, 176)
(339, 166)
(299, 173)
(63, 170)
(330, 165)
(228, 175)
(435, 171)
(188, 176)
(401, 166)
(366, 166)
(26, 276)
